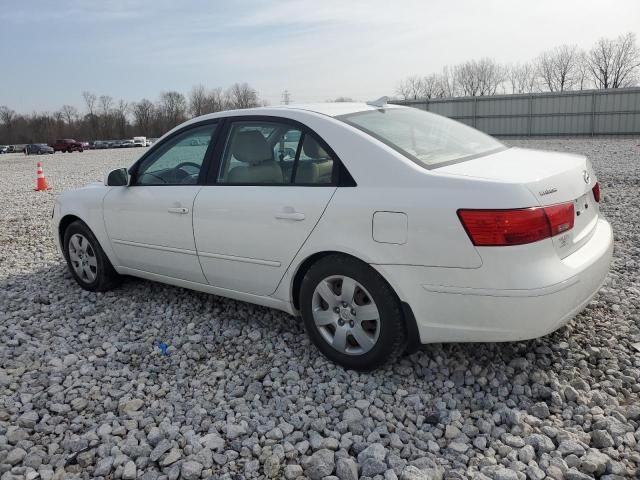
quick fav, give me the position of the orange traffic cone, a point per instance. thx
(41, 183)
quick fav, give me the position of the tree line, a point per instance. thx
(106, 118)
(610, 63)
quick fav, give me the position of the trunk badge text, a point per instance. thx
(548, 191)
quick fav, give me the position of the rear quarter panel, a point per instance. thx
(387, 181)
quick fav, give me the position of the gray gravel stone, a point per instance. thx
(292, 472)
(346, 469)
(320, 464)
(601, 439)
(103, 467)
(191, 470)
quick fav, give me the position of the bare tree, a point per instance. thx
(7, 116)
(431, 86)
(69, 113)
(448, 84)
(142, 114)
(522, 77)
(559, 68)
(120, 116)
(286, 97)
(479, 77)
(106, 117)
(411, 88)
(583, 74)
(90, 102)
(466, 77)
(242, 95)
(197, 100)
(215, 101)
(614, 63)
(173, 106)
(490, 75)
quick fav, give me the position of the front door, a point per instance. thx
(272, 186)
(150, 222)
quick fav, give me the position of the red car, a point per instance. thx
(67, 145)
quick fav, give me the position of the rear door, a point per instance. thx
(271, 185)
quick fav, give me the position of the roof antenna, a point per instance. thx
(380, 102)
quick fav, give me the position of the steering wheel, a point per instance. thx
(187, 164)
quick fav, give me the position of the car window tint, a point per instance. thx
(179, 161)
(259, 153)
(315, 165)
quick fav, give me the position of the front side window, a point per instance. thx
(428, 139)
(179, 161)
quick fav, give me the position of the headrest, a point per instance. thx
(312, 149)
(251, 147)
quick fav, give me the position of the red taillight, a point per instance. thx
(596, 192)
(560, 217)
(492, 228)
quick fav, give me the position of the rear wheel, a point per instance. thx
(86, 260)
(351, 313)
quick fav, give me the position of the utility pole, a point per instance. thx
(286, 97)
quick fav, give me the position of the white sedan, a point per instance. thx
(384, 227)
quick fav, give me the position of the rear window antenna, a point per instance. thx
(380, 102)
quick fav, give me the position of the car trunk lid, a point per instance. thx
(551, 177)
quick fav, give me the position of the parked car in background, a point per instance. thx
(127, 144)
(151, 141)
(389, 227)
(85, 145)
(11, 149)
(3, 149)
(139, 141)
(67, 145)
(100, 145)
(38, 149)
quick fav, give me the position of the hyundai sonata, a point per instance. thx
(383, 227)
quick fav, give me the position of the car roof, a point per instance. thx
(331, 109)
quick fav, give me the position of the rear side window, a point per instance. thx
(273, 153)
(315, 165)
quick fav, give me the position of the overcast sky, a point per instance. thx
(50, 51)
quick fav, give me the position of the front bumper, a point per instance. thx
(526, 296)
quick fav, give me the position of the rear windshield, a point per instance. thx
(429, 140)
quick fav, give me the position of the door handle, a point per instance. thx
(181, 210)
(296, 216)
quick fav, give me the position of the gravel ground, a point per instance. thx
(85, 391)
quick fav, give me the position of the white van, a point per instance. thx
(139, 141)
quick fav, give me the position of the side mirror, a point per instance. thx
(117, 178)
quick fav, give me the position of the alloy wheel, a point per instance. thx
(83, 258)
(346, 315)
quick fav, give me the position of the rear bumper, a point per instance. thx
(521, 299)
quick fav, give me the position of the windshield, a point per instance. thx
(428, 139)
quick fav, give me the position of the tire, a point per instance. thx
(98, 275)
(385, 338)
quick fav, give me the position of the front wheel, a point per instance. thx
(351, 313)
(86, 260)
